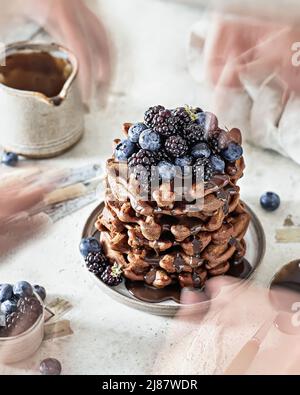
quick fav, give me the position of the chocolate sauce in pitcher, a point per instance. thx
(36, 72)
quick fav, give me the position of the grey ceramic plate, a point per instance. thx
(255, 239)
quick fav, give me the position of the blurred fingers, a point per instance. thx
(21, 230)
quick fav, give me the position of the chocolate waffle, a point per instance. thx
(165, 239)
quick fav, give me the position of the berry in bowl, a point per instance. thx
(21, 320)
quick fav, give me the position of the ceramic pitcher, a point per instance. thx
(41, 112)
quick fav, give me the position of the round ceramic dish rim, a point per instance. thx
(171, 310)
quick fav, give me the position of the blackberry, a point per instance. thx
(214, 145)
(112, 275)
(162, 155)
(96, 263)
(193, 134)
(203, 170)
(176, 146)
(150, 114)
(143, 158)
(165, 123)
(140, 165)
(182, 117)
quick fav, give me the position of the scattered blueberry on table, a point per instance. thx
(50, 367)
(10, 159)
(270, 201)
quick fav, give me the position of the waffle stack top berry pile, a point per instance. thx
(164, 238)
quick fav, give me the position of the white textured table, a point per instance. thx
(151, 68)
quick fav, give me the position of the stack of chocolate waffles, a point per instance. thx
(147, 228)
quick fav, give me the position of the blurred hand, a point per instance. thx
(22, 193)
(208, 340)
(237, 47)
(74, 25)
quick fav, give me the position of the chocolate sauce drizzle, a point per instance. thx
(150, 294)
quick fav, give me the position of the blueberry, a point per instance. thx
(150, 140)
(166, 170)
(8, 307)
(89, 245)
(201, 151)
(270, 201)
(124, 150)
(6, 292)
(50, 367)
(217, 163)
(201, 119)
(208, 121)
(10, 159)
(40, 291)
(197, 110)
(22, 289)
(135, 132)
(232, 153)
(184, 161)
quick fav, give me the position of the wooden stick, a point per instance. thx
(288, 235)
(71, 192)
